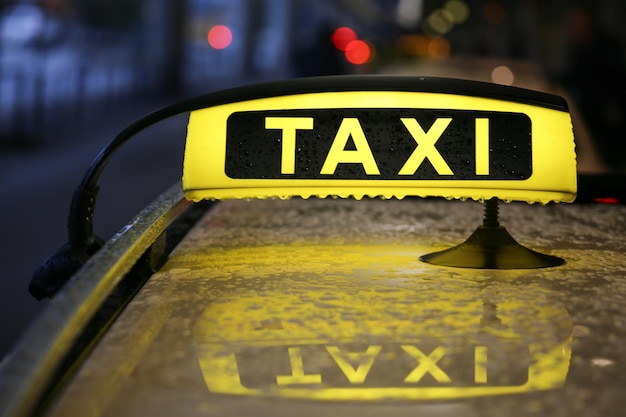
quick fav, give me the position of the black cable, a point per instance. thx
(80, 220)
(83, 243)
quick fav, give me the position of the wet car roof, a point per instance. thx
(321, 306)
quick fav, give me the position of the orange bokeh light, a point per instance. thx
(439, 48)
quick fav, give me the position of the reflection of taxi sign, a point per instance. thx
(342, 340)
(411, 370)
(382, 136)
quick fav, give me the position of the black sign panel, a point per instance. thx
(379, 144)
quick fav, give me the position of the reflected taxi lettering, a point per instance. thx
(382, 365)
(379, 143)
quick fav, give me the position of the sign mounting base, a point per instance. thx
(491, 247)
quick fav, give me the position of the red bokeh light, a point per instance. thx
(220, 37)
(358, 52)
(606, 200)
(342, 36)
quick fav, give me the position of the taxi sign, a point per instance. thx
(382, 136)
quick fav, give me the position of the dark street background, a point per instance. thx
(74, 73)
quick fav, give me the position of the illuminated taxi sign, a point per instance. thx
(389, 144)
(383, 136)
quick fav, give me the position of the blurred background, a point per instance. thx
(73, 73)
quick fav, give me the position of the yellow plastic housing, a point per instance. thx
(553, 159)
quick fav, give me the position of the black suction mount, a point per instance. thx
(491, 247)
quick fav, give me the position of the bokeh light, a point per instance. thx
(220, 37)
(436, 47)
(440, 21)
(502, 75)
(439, 48)
(342, 36)
(458, 10)
(358, 52)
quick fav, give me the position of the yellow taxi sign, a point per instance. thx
(382, 136)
